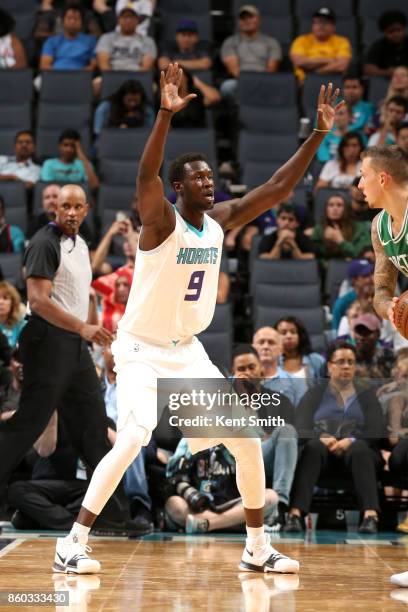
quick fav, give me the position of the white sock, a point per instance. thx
(254, 532)
(80, 530)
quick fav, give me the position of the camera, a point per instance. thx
(196, 500)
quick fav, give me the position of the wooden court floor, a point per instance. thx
(197, 574)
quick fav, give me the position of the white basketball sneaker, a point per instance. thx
(260, 556)
(400, 580)
(71, 556)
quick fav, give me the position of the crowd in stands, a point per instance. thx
(337, 425)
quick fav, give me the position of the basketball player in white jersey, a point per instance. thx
(172, 299)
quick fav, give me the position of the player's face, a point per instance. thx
(71, 210)
(197, 187)
(268, 343)
(370, 184)
(247, 366)
(289, 335)
(342, 365)
(352, 91)
(335, 208)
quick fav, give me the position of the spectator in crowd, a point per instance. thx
(192, 115)
(402, 135)
(297, 357)
(130, 234)
(216, 504)
(288, 241)
(360, 274)
(338, 235)
(248, 50)
(126, 49)
(11, 237)
(143, 8)
(12, 313)
(346, 326)
(279, 444)
(340, 426)
(49, 207)
(114, 289)
(187, 49)
(20, 166)
(322, 50)
(392, 49)
(343, 123)
(12, 53)
(268, 344)
(399, 83)
(11, 376)
(394, 111)
(340, 173)
(360, 210)
(374, 360)
(126, 108)
(72, 165)
(353, 93)
(71, 50)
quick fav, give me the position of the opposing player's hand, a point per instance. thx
(326, 106)
(391, 313)
(170, 82)
(97, 334)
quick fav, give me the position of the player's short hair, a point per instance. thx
(176, 170)
(391, 159)
(244, 349)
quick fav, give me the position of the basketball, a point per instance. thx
(401, 314)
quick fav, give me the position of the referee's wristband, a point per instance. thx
(163, 108)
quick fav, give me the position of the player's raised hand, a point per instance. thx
(170, 82)
(326, 106)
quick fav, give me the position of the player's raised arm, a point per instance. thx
(278, 187)
(385, 278)
(154, 210)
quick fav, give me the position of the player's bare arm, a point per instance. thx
(278, 187)
(156, 213)
(385, 278)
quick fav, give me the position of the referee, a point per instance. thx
(58, 371)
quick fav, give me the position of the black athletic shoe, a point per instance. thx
(294, 524)
(369, 525)
(130, 528)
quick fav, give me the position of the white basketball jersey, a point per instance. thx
(174, 288)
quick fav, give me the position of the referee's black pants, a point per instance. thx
(59, 374)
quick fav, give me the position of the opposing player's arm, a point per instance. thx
(278, 187)
(385, 276)
(156, 213)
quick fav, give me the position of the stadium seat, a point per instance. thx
(253, 252)
(280, 28)
(280, 295)
(288, 272)
(16, 7)
(312, 318)
(312, 85)
(113, 79)
(17, 215)
(184, 6)
(11, 267)
(16, 86)
(256, 173)
(115, 197)
(118, 171)
(25, 24)
(182, 140)
(264, 89)
(373, 9)
(206, 76)
(14, 194)
(377, 88)
(320, 198)
(7, 137)
(269, 120)
(266, 147)
(170, 23)
(47, 141)
(63, 116)
(217, 338)
(122, 144)
(306, 8)
(369, 32)
(335, 275)
(277, 8)
(66, 86)
(14, 115)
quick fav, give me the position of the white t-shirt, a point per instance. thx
(335, 177)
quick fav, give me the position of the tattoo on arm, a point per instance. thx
(385, 275)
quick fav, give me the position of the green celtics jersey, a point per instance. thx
(395, 248)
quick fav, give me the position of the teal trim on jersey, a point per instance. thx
(197, 232)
